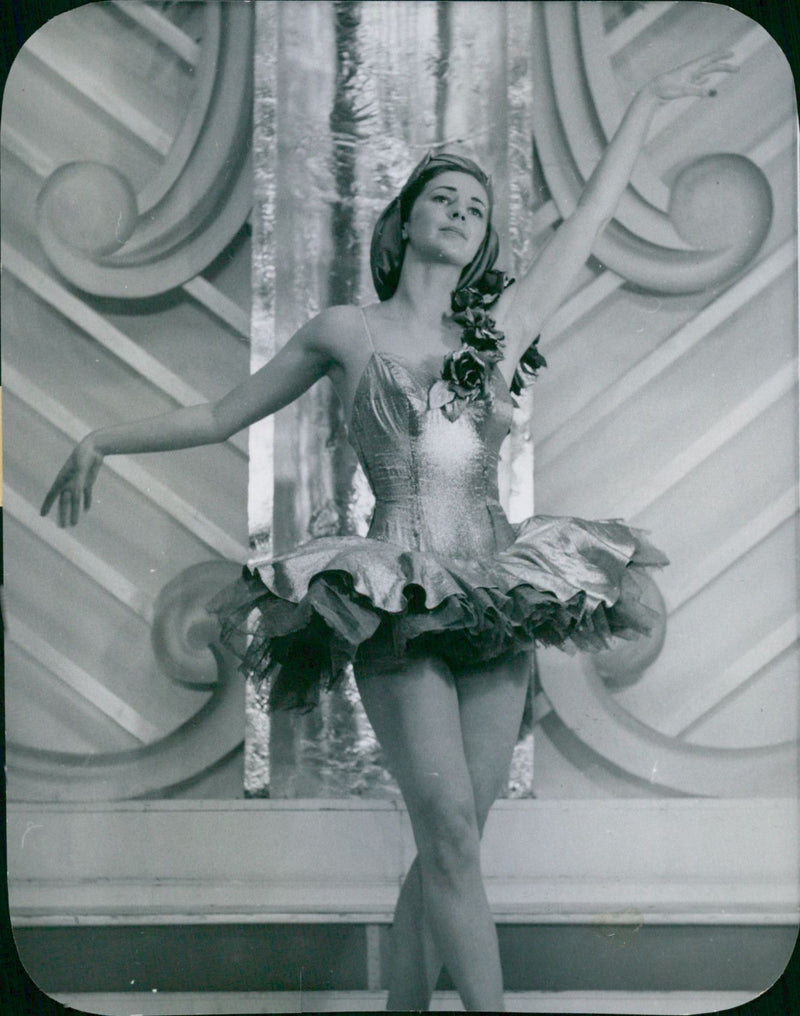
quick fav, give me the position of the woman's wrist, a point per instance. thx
(649, 95)
(93, 445)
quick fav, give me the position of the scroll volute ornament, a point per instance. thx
(186, 648)
(694, 235)
(108, 240)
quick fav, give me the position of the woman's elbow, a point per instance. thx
(221, 424)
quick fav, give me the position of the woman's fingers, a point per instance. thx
(714, 67)
(722, 68)
(56, 488)
(692, 78)
(711, 63)
(73, 486)
(91, 476)
(705, 72)
(701, 90)
(65, 507)
(76, 508)
(712, 57)
(49, 498)
(69, 507)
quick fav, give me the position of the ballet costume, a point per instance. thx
(441, 570)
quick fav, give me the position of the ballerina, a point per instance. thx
(436, 607)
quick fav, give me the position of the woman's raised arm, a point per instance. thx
(525, 307)
(304, 359)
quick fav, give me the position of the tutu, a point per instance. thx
(441, 569)
(299, 620)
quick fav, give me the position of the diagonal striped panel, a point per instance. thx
(630, 384)
(183, 512)
(105, 333)
(92, 689)
(714, 693)
(69, 547)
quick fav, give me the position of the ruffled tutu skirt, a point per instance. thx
(298, 620)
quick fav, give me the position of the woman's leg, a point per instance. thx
(491, 702)
(414, 711)
(415, 963)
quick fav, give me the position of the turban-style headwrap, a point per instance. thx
(388, 246)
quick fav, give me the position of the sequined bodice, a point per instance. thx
(434, 480)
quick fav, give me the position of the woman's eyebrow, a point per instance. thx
(449, 187)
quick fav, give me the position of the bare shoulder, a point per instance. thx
(335, 332)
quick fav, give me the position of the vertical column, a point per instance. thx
(262, 320)
(262, 346)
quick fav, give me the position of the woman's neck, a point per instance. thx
(424, 291)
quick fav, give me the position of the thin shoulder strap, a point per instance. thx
(366, 328)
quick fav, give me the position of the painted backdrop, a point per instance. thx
(671, 393)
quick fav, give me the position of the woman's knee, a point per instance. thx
(486, 793)
(447, 832)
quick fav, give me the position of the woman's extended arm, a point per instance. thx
(301, 362)
(527, 305)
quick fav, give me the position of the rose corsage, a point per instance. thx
(465, 377)
(466, 371)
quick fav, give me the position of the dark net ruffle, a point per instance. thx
(296, 622)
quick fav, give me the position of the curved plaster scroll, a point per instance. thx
(624, 663)
(180, 628)
(110, 241)
(718, 209)
(586, 707)
(183, 630)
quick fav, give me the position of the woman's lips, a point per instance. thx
(454, 229)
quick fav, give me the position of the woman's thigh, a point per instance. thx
(447, 734)
(415, 713)
(491, 698)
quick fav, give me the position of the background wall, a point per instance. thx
(677, 410)
(119, 84)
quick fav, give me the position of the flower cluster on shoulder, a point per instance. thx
(466, 371)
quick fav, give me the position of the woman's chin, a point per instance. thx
(451, 254)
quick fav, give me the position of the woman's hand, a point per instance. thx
(74, 483)
(692, 78)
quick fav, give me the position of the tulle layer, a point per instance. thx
(297, 621)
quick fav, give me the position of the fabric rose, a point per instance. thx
(465, 378)
(465, 372)
(470, 297)
(485, 338)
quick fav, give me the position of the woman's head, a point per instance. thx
(473, 200)
(446, 221)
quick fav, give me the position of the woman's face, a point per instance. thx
(448, 220)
